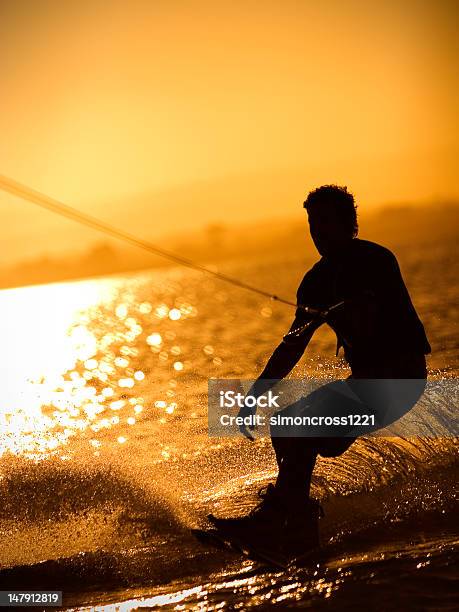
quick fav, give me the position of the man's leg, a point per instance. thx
(296, 458)
(296, 449)
(287, 518)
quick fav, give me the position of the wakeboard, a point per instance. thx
(221, 540)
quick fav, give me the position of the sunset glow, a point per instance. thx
(164, 117)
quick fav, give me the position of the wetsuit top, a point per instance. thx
(378, 319)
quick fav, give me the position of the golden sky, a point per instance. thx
(124, 109)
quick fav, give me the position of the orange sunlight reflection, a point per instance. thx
(40, 409)
(70, 363)
(63, 375)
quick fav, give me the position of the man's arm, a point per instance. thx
(282, 361)
(287, 354)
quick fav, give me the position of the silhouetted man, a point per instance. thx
(382, 338)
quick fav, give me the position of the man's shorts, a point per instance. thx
(376, 402)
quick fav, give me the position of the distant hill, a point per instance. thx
(394, 226)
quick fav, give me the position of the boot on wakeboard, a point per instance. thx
(291, 530)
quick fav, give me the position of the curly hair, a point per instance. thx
(339, 201)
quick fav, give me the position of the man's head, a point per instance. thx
(332, 216)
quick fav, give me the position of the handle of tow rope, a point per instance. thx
(319, 314)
